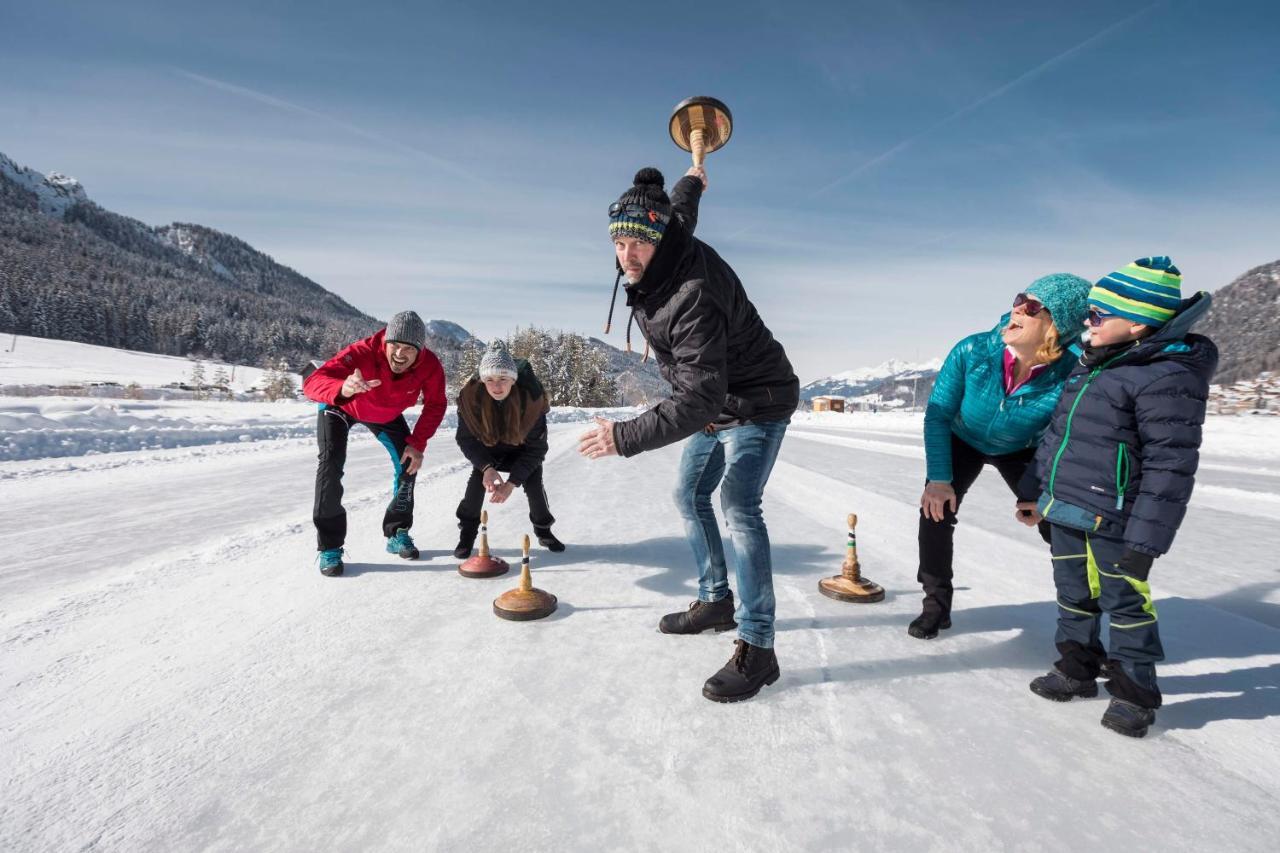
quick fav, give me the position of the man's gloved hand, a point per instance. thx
(1136, 564)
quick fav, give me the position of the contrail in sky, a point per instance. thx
(280, 104)
(987, 98)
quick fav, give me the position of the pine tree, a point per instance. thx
(197, 381)
(465, 367)
(281, 385)
(222, 382)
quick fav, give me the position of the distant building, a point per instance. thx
(828, 404)
(1260, 396)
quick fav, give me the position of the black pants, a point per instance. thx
(473, 498)
(333, 426)
(936, 537)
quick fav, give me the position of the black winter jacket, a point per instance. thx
(523, 458)
(1120, 454)
(724, 365)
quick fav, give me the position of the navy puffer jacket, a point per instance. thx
(1120, 454)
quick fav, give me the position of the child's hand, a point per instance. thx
(1135, 564)
(1027, 513)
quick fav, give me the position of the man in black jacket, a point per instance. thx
(732, 395)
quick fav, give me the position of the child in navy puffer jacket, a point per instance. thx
(1117, 466)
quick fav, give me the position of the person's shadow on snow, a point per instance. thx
(1257, 696)
(428, 561)
(1030, 648)
(671, 554)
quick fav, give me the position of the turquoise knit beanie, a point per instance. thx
(1067, 298)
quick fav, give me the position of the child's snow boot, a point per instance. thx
(1127, 718)
(1060, 687)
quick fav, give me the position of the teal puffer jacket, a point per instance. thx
(968, 400)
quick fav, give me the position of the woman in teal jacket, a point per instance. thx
(990, 404)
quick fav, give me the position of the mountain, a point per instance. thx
(892, 383)
(639, 381)
(73, 270)
(54, 193)
(1244, 321)
(449, 334)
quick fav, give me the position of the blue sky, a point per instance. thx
(898, 171)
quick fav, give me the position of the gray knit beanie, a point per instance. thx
(497, 361)
(407, 328)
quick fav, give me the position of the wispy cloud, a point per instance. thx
(354, 129)
(1040, 69)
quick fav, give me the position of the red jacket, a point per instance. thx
(397, 392)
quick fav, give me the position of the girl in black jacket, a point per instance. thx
(502, 426)
(1117, 466)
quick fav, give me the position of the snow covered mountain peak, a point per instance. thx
(55, 193)
(894, 379)
(449, 331)
(892, 368)
(67, 183)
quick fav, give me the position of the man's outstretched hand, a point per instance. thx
(598, 441)
(357, 384)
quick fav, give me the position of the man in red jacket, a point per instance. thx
(372, 382)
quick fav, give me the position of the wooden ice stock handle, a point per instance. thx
(526, 579)
(697, 146)
(850, 568)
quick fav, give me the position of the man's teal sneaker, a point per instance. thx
(402, 545)
(330, 562)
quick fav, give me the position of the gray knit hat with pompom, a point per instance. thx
(497, 361)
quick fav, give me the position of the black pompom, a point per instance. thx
(649, 176)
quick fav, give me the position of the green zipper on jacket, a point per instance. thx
(1122, 473)
(1066, 432)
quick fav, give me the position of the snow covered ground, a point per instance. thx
(175, 675)
(26, 360)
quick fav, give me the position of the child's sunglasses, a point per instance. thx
(1094, 317)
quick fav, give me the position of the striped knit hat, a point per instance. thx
(1149, 291)
(642, 211)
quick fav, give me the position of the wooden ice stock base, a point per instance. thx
(482, 565)
(524, 603)
(850, 585)
(700, 125)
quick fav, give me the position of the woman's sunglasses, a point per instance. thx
(1094, 317)
(1029, 306)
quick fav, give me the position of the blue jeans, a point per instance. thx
(741, 457)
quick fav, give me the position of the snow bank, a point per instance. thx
(42, 427)
(48, 427)
(905, 422)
